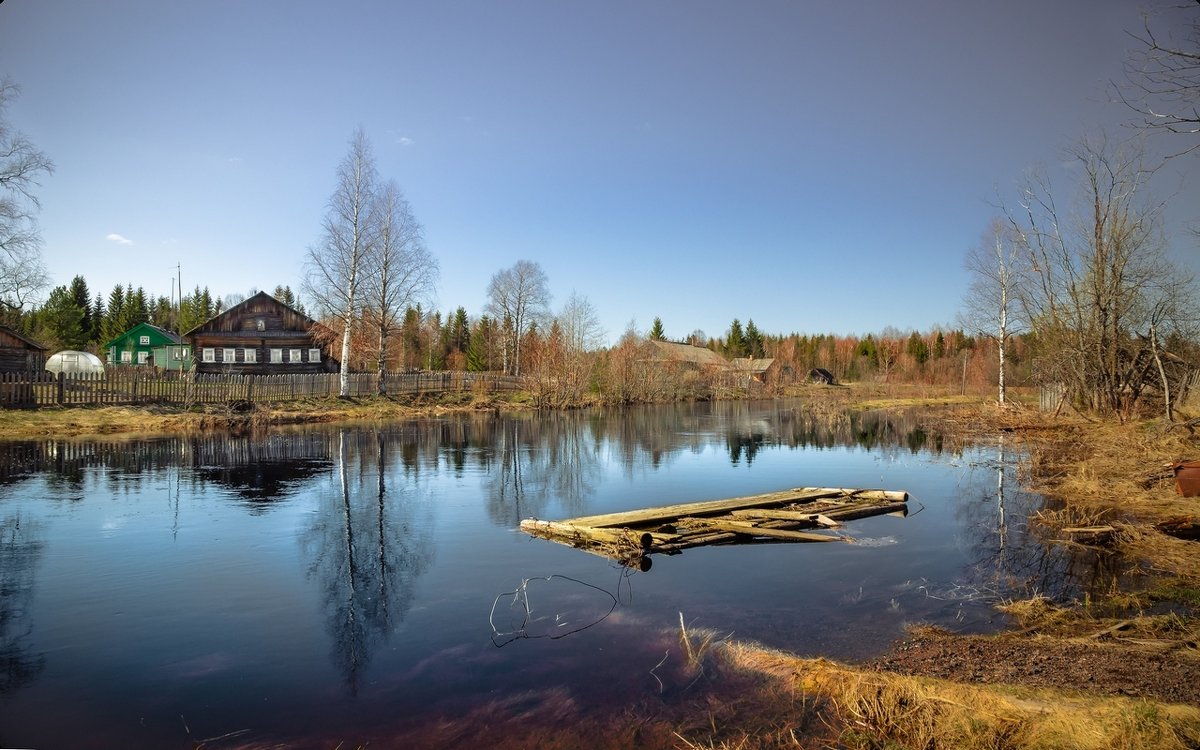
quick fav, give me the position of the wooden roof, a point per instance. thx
(9, 337)
(669, 351)
(752, 365)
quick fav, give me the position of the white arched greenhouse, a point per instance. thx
(72, 362)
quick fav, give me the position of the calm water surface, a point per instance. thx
(325, 585)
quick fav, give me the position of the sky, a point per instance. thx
(815, 166)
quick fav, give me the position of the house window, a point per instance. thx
(177, 352)
(249, 355)
(229, 356)
(260, 325)
(276, 356)
(314, 355)
(294, 354)
(144, 340)
(112, 355)
(143, 357)
(126, 356)
(208, 354)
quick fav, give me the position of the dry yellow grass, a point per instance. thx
(875, 707)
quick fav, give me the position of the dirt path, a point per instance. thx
(1169, 673)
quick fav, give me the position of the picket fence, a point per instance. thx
(125, 386)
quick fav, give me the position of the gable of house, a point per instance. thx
(261, 335)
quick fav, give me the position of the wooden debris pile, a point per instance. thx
(804, 514)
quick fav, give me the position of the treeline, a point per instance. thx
(73, 318)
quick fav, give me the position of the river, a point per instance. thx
(320, 585)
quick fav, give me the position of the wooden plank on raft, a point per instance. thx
(749, 529)
(666, 513)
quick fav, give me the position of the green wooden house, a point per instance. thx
(148, 345)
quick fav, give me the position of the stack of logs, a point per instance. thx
(790, 515)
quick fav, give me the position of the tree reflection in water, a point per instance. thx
(533, 461)
(369, 542)
(20, 552)
(1014, 558)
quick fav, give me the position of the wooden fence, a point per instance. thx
(124, 386)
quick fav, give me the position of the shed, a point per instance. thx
(73, 362)
(19, 354)
(821, 375)
(767, 370)
(261, 336)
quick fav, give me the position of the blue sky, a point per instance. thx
(816, 166)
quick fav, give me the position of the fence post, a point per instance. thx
(61, 390)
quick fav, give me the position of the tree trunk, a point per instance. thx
(1162, 374)
(382, 390)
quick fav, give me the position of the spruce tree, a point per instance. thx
(656, 330)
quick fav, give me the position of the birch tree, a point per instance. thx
(336, 266)
(991, 303)
(520, 294)
(402, 271)
(22, 164)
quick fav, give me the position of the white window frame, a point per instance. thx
(143, 357)
(143, 340)
(276, 356)
(294, 356)
(249, 355)
(126, 357)
(314, 355)
(228, 355)
(208, 354)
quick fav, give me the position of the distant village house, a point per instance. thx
(146, 345)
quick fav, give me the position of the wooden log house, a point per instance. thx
(261, 336)
(19, 354)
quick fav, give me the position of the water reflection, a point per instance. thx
(369, 540)
(1007, 556)
(20, 551)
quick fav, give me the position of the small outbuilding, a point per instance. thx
(19, 354)
(73, 362)
(822, 376)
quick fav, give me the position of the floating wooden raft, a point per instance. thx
(631, 536)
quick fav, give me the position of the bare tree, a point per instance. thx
(1162, 75)
(335, 267)
(21, 165)
(991, 307)
(522, 295)
(1099, 278)
(403, 272)
(580, 326)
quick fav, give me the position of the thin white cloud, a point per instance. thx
(119, 239)
(404, 140)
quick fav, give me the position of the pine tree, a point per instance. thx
(656, 330)
(477, 346)
(735, 344)
(114, 316)
(754, 341)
